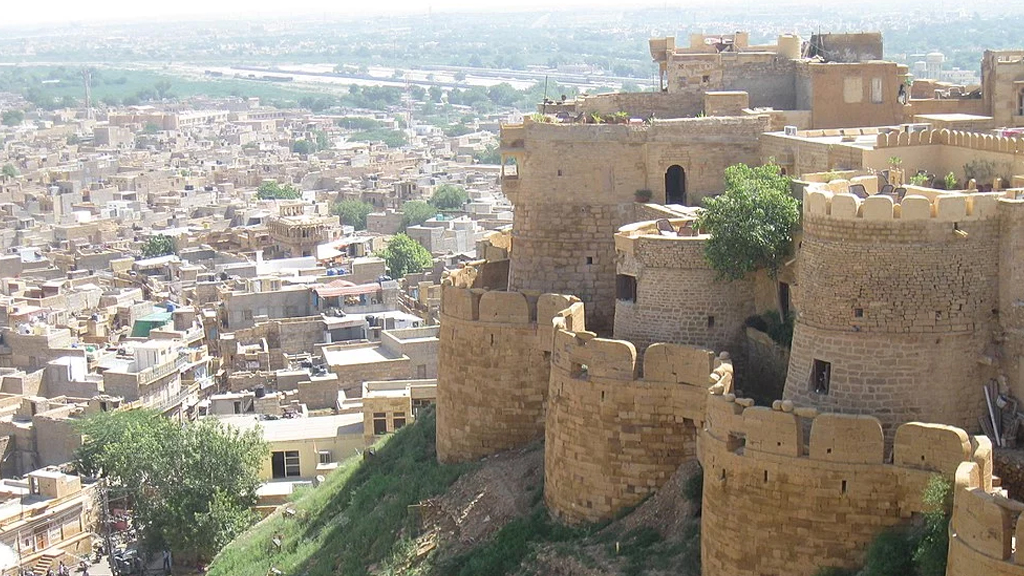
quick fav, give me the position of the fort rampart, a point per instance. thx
(613, 437)
(575, 185)
(898, 306)
(985, 526)
(778, 503)
(493, 368)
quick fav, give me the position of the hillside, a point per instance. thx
(400, 513)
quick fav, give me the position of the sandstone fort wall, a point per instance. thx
(679, 298)
(778, 504)
(898, 300)
(612, 436)
(575, 186)
(984, 526)
(494, 367)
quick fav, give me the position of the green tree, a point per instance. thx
(449, 197)
(404, 255)
(162, 88)
(302, 146)
(490, 155)
(192, 487)
(159, 245)
(751, 223)
(150, 128)
(13, 117)
(353, 212)
(322, 142)
(9, 171)
(416, 212)
(271, 190)
(933, 536)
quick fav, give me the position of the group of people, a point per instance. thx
(63, 570)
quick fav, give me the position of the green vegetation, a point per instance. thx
(950, 181)
(9, 170)
(403, 255)
(919, 551)
(919, 179)
(510, 546)
(359, 517)
(271, 190)
(393, 138)
(191, 486)
(303, 146)
(353, 212)
(359, 123)
(751, 224)
(489, 155)
(833, 571)
(158, 245)
(416, 212)
(13, 117)
(779, 329)
(449, 197)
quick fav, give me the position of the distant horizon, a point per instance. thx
(69, 12)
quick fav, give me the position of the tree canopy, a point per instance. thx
(353, 212)
(404, 255)
(9, 170)
(159, 245)
(191, 486)
(416, 212)
(13, 117)
(271, 190)
(449, 197)
(751, 223)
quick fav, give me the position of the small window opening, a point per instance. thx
(858, 312)
(711, 321)
(625, 288)
(844, 486)
(765, 476)
(559, 171)
(821, 376)
(590, 260)
(705, 78)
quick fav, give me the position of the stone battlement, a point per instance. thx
(946, 208)
(494, 367)
(824, 498)
(984, 526)
(972, 140)
(637, 239)
(520, 308)
(612, 436)
(584, 356)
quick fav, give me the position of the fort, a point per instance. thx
(618, 343)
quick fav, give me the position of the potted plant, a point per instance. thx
(643, 195)
(597, 119)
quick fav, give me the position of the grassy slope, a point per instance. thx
(358, 523)
(355, 520)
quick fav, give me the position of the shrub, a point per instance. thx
(643, 195)
(890, 554)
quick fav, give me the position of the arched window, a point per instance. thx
(675, 185)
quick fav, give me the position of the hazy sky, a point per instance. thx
(64, 11)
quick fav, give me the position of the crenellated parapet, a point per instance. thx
(972, 140)
(898, 303)
(493, 367)
(777, 501)
(985, 525)
(617, 428)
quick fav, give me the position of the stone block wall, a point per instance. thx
(575, 186)
(777, 503)
(612, 437)
(899, 301)
(679, 298)
(493, 368)
(985, 526)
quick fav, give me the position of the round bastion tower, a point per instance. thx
(899, 304)
(667, 292)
